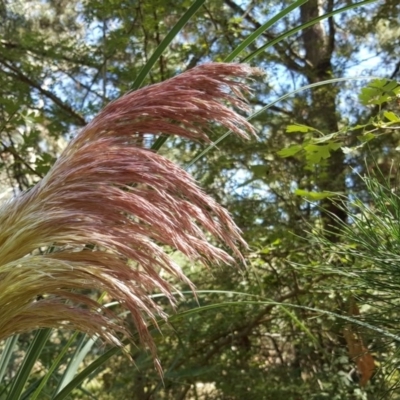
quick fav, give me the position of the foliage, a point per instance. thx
(365, 264)
(327, 107)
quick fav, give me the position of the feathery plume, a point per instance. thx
(107, 207)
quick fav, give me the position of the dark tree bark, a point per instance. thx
(318, 42)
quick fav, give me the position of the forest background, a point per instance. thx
(259, 332)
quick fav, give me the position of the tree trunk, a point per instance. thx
(318, 43)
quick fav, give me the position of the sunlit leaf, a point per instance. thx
(290, 151)
(295, 128)
(366, 138)
(313, 196)
(391, 116)
(316, 153)
(379, 91)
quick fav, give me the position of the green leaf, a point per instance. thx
(299, 128)
(379, 91)
(390, 86)
(391, 116)
(315, 153)
(372, 96)
(290, 151)
(335, 145)
(366, 138)
(314, 196)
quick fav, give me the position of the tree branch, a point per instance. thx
(288, 61)
(17, 74)
(12, 151)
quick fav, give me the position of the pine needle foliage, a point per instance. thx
(368, 249)
(364, 261)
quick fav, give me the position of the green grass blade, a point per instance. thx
(53, 367)
(304, 26)
(71, 368)
(84, 346)
(158, 52)
(80, 353)
(85, 373)
(269, 105)
(166, 42)
(192, 10)
(215, 306)
(27, 393)
(30, 358)
(258, 301)
(159, 142)
(251, 38)
(300, 324)
(6, 355)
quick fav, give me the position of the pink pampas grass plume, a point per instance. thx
(108, 206)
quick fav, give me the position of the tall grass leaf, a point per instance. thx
(258, 32)
(29, 361)
(78, 380)
(166, 42)
(158, 52)
(303, 26)
(7, 354)
(53, 367)
(83, 347)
